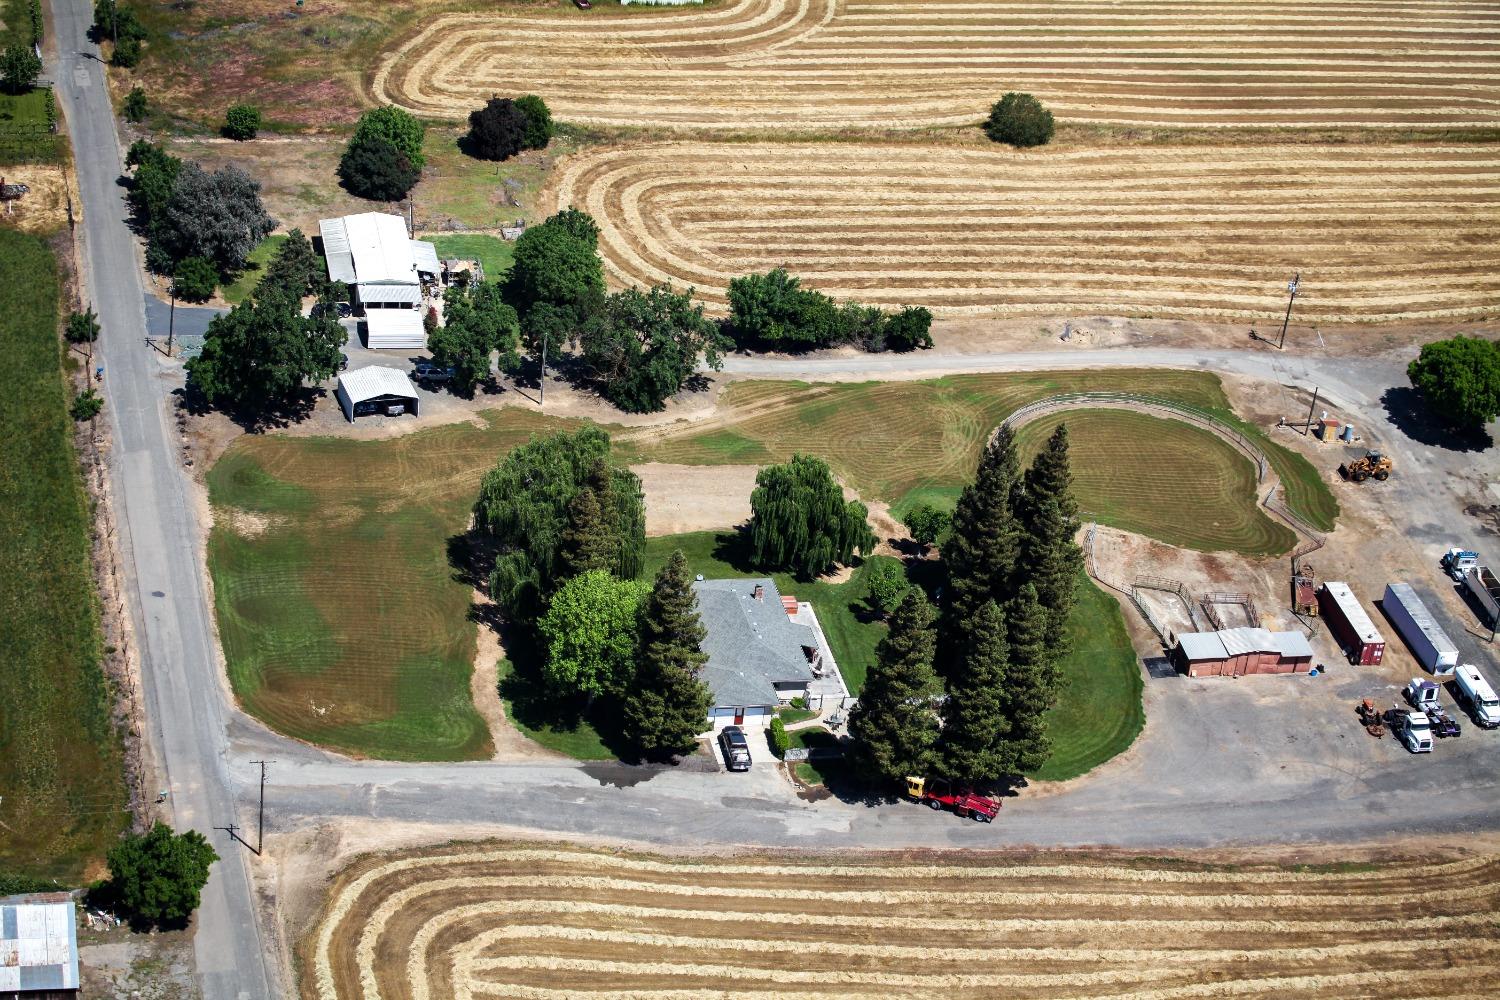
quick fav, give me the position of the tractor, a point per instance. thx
(1372, 463)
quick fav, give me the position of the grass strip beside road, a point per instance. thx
(60, 762)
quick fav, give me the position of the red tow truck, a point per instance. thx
(940, 793)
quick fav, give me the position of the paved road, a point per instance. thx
(184, 696)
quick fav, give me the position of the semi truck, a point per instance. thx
(1475, 692)
(940, 793)
(1457, 562)
(1486, 590)
(1411, 728)
(1429, 643)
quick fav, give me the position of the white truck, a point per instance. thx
(1486, 590)
(1475, 692)
(1412, 728)
(1457, 562)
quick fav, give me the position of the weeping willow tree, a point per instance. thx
(800, 522)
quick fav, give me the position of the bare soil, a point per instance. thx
(45, 208)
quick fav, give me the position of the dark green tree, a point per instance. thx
(86, 406)
(19, 68)
(522, 511)
(1030, 682)
(984, 544)
(151, 185)
(194, 279)
(134, 107)
(397, 127)
(591, 539)
(895, 723)
(497, 131)
(538, 121)
(477, 322)
(799, 521)
(667, 706)
(642, 346)
(157, 876)
(1019, 120)
(218, 216)
(258, 355)
(1049, 518)
(976, 731)
(295, 267)
(555, 263)
(1459, 379)
(242, 122)
(373, 167)
(908, 330)
(82, 328)
(114, 20)
(774, 310)
(885, 579)
(127, 53)
(926, 523)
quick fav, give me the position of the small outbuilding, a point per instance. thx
(394, 329)
(38, 947)
(1236, 652)
(377, 389)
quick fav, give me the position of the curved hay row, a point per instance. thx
(518, 922)
(789, 64)
(1380, 233)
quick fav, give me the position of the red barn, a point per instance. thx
(1235, 652)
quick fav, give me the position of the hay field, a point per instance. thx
(1380, 233)
(544, 923)
(811, 64)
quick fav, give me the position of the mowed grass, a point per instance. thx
(1164, 478)
(62, 795)
(246, 281)
(341, 617)
(492, 252)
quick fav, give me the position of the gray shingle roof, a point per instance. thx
(751, 645)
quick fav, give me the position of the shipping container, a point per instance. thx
(1429, 643)
(1349, 624)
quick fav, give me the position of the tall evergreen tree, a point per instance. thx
(895, 725)
(668, 705)
(1049, 515)
(984, 544)
(591, 541)
(1030, 683)
(976, 733)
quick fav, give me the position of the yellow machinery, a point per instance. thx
(1372, 463)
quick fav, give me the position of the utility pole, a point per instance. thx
(1291, 288)
(1307, 427)
(260, 828)
(172, 318)
(542, 379)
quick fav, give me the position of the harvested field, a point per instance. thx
(1381, 233)
(520, 921)
(803, 64)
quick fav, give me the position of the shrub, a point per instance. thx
(375, 168)
(1020, 120)
(86, 406)
(242, 122)
(127, 53)
(134, 106)
(195, 279)
(396, 127)
(538, 121)
(886, 580)
(82, 328)
(497, 131)
(779, 739)
(19, 68)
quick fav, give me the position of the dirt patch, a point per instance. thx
(682, 498)
(484, 686)
(44, 209)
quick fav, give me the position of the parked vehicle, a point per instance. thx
(583, 4)
(1457, 562)
(426, 371)
(1371, 463)
(1411, 728)
(940, 793)
(1473, 691)
(1429, 643)
(1444, 726)
(1421, 694)
(735, 747)
(343, 362)
(1486, 590)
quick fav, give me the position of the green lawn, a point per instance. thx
(62, 795)
(23, 132)
(527, 710)
(492, 252)
(241, 288)
(817, 772)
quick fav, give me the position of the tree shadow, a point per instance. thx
(273, 416)
(1406, 409)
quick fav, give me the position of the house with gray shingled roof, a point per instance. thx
(758, 657)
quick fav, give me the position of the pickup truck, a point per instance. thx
(736, 748)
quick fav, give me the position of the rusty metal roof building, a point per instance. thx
(38, 945)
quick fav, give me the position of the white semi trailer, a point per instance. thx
(1431, 645)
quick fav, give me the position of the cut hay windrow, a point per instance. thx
(1395, 233)
(791, 64)
(536, 922)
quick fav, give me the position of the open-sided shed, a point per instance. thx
(377, 389)
(394, 328)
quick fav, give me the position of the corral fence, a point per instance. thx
(1312, 538)
(1214, 598)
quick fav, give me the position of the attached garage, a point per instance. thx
(387, 329)
(377, 390)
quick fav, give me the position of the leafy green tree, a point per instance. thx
(908, 330)
(134, 106)
(590, 634)
(523, 511)
(295, 268)
(1030, 681)
(926, 523)
(258, 355)
(158, 876)
(886, 580)
(83, 327)
(114, 20)
(151, 186)
(1459, 379)
(799, 521)
(477, 322)
(591, 539)
(895, 722)
(538, 121)
(774, 310)
(497, 131)
(642, 346)
(555, 263)
(242, 122)
(1049, 518)
(397, 127)
(86, 406)
(218, 216)
(1019, 120)
(127, 53)
(195, 279)
(373, 167)
(19, 68)
(976, 726)
(984, 544)
(667, 706)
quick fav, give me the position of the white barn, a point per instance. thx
(384, 267)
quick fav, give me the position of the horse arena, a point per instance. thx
(809, 64)
(1383, 233)
(544, 923)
